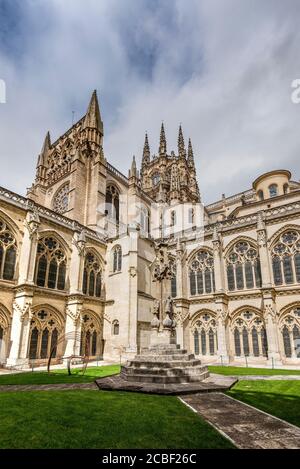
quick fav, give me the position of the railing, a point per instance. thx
(117, 173)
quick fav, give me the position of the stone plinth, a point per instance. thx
(165, 369)
(164, 363)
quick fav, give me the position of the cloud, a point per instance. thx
(223, 69)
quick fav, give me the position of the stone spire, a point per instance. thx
(92, 118)
(146, 152)
(42, 159)
(181, 147)
(190, 158)
(133, 171)
(162, 142)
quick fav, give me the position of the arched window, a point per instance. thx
(273, 190)
(112, 204)
(61, 199)
(260, 195)
(243, 267)
(51, 264)
(205, 330)
(8, 252)
(173, 279)
(155, 179)
(44, 332)
(290, 330)
(92, 274)
(117, 259)
(90, 343)
(249, 335)
(286, 258)
(196, 342)
(116, 328)
(201, 273)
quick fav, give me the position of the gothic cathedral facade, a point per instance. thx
(78, 256)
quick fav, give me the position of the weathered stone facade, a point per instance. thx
(78, 257)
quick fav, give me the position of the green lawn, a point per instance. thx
(95, 419)
(279, 398)
(60, 376)
(236, 370)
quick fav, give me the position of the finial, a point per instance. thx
(162, 141)
(181, 147)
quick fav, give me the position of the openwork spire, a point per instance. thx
(93, 117)
(162, 141)
(190, 158)
(42, 159)
(181, 147)
(146, 152)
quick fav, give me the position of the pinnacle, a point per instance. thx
(93, 117)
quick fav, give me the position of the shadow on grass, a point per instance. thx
(278, 398)
(60, 376)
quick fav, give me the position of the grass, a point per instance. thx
(235, 371)
(60, 376)
(93, 419)
(279, 398)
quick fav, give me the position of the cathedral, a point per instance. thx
(78, 257)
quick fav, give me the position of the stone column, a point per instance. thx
(274, 356)
(265, 263)
(133, 231)
(21, 307)
(76, 263)
(72, 328)
(29, 247)
(218, 262)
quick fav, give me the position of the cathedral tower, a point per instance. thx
(170, 177)
(71, 172)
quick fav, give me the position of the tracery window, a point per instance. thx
(90, 336)
(249, 335)
(205, 335)
(44, 333)
(92, 275)
(8, 252)
(51, 264)
(201, 273)
(286, 258)
(117, 258)
(61, 199)
(112, 203)
(243, 267)
(290, 330)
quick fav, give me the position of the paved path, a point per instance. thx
(246, 426)
(47, 387)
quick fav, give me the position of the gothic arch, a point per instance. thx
(48, 233)
(240, 238)
(200, 312)
(18, 233)
(195, 250)
(248, 332)
(289, 327)
(91, 342)
(97, 254)
(60, 316)
(275, 237)
(204, 332)
(61, 206)
(5, 324)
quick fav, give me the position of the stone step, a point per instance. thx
(189, 371)
(167, 358)
(140, 378)
(174, 352)
(162, 364)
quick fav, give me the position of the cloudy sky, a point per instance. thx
(223, 68)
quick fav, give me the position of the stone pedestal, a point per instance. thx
(164, 364)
